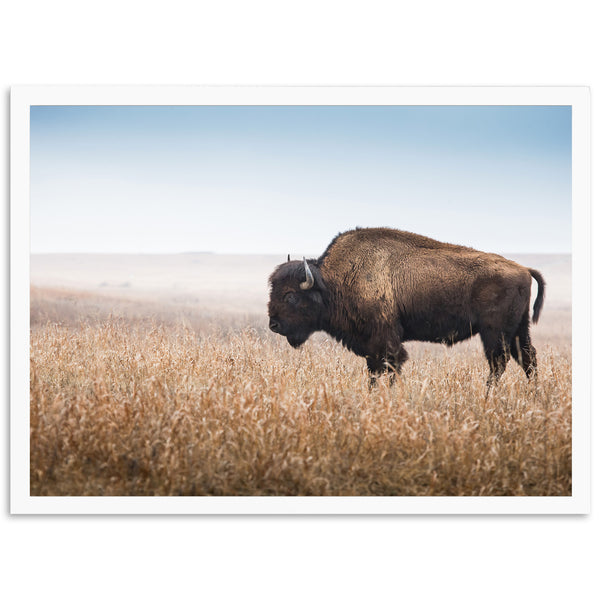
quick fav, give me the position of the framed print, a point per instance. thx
(345, 300)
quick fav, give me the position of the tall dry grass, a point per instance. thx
(124, 405)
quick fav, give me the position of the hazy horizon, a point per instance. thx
(224, 280)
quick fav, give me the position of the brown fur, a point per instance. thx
(376, 288)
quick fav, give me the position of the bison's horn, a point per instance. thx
(310, 280)
(288, 258)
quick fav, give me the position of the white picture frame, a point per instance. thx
(23, 97)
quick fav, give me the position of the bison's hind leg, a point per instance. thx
(496, 352)
(522, 349)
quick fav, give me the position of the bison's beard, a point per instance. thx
(297, 339)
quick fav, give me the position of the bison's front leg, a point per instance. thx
(388, 363)
(376, 366)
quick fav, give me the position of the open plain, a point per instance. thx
(157, 375)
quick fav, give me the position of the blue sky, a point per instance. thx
(264, 179)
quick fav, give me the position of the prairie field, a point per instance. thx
(180, 393)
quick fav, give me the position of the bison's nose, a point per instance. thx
(274, 325)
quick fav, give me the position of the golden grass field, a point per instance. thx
(133, 396)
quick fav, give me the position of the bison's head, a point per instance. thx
(296, 306)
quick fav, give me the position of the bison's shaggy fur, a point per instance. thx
(373, 289)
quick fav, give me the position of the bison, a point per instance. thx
(375, 288)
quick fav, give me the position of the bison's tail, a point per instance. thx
(539, 301)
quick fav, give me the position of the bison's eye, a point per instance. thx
(291, 298)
